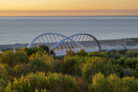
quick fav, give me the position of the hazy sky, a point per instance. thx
(83, 7)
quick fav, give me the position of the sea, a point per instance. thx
(24, 29)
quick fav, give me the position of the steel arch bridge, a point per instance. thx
(60, 44)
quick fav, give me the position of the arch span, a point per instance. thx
(83, 39)
(48, 39)
(60, 43)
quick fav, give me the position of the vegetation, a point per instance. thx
(38, 70)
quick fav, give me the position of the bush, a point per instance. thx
(32, 50)
(132, 53)
(113, 83)
(42, 56)
(82, 52)
(8, 57)
(12, 59)
(95, 65)
(21, 56)
(23, 69)
(72, 65)
(39, 81)
(46, 48)
(129, 84)
(70, 53)
(3, 76)
(40, 65)
(129, 72)
(98, 54)
(131, 62)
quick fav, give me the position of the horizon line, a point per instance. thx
(69, 12)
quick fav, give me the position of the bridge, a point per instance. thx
(60, 44)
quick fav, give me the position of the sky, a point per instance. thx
(68, 7)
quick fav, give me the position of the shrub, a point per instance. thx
(8, 57)
(39, 82)
(121, 61)
(132, 53)
(112, 83)
(42, 56)
(70, 53)
(129, 72)
(3, 76)
(98, 54)
(32, 50)
(19, 85)
(96, 64)
(129, 84)
(21, 56)
(40, 65)
(136, 71)
(131, 62)
(46, 48)
(82, 52)
(22, 69)
(62, 83)
(72, 65)
(12, 59)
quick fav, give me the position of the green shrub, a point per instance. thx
(39, 82)
(8, 57)
(129, 84)
(131, 62)
(19, 85)
(121, 61)
(21, 56)
(12, 59)
(98, 54)
(32, 50)
(3, 76)
(129, 72)
(70, 53)
(82, 52)
(23, 69)
(97, 64)
(42, 56)
(136, 71)
(132, 53)
(40, 65)
(113, 83)
(62, 83)
(46, 48)
(72, 65)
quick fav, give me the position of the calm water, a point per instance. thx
(24, 29)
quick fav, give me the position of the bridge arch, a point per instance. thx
(81, 39)
(48, 39)
(60, 43)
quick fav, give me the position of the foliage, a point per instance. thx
(3, 76)
(8, 57)
(131, 62)
(113, 83)
(23, 69)
(32, 50)
(132, 53)
(40, 82)
(46, 48)
(82, 52)
(98, 54)
(12, 59)
(97, 64)
(21, 56)
(37, 70)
